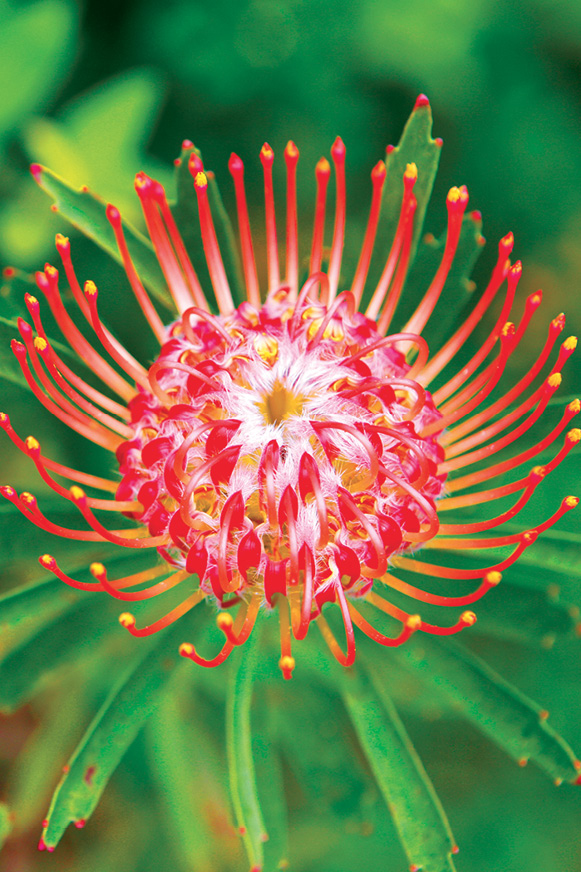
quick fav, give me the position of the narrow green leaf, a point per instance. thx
(86, 212)
(499, 710)
(415, 146)
(37, 769)
(523, 614)
(5, 823)
(180, 755)
(412, 801)
(35, 600)
(272, 796)
(135, 695)
(239, 744)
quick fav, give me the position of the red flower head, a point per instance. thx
(287, 452)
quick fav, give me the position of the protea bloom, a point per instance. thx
(287, 452)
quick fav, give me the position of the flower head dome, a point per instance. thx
(288, 450)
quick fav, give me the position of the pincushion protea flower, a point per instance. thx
(288, 452)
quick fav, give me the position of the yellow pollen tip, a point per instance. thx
(32, 299)
(46, 559)
(555, 380)
(571, 502)
(27, 497)
(50, 270)
(287, 663)
(413, 622)
(267, 151)
(201, 180)
(453, 195)
(539, 471)
(574, 435)
(411, 171)
(97, 569)
(90, 288)
(186, 649)
(32, 444)
(323, 165)
(508, 329)
(575, 406)
(61, 240)
(570, 344)
(77, 492)
(493, 578)
(224, 621)
(468, 618)
(126, 619)
(40, 344)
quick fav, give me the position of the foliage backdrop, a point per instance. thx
(99, 90)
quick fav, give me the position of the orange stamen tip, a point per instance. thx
(538, 471)
(468, 618)
(200, 181)
(543, 715)
(266, 154)
(40, 344)
(113, 214)
(224, 621)
(61, 241)
(455, 849)
(32, 444)
(36, 170)
(523, 761)
(27, 497)
(4, 418)
(421, 100)
(97, 570)
(516, 268)
(287, 664)
(574, 435)
(8, 272)
(90, 288)
(555, 380)
(30, 300)
(575, 406)
(413, 622)
(557, 782)
(411, 172)
(577, 765)
(571, 502)
(126, 619)
(186, 649)
(535, 299)
(7, 491)
(77, 493)
(323, 167)
(338, 149)
(493, 578)
(47, 560)
(291, 152)
(570, 344)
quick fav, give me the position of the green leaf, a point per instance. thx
(181, 754)
(135, 695)
(523, 614)
(272, 795)
(37, 50)
(86, 212)
(415, 146)
(5, 823)
(239, 744)
(412, 801)
(495, 707)
(38, 768)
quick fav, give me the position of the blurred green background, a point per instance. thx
(102, 89)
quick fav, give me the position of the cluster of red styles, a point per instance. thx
(288, 453)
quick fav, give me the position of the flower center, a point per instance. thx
(282, 449)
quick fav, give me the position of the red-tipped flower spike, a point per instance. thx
(288, 452)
